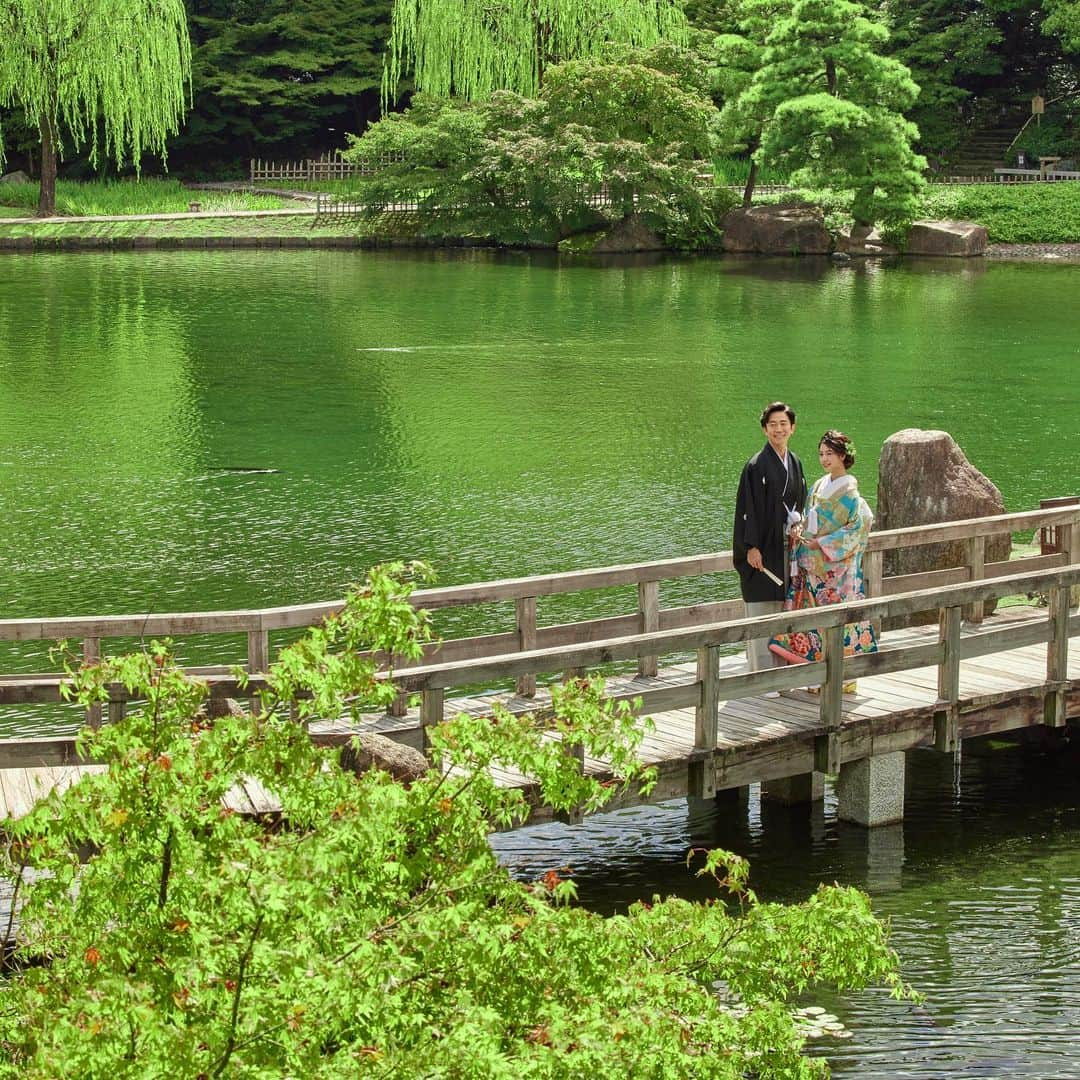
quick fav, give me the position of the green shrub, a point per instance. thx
(1012, 213)
(603, 140)
(371, 932)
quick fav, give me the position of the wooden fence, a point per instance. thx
(529, 648)
(327, 167)
(332, 167)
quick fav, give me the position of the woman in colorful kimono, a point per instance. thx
(827, 554)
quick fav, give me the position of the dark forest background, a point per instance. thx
(286, 79)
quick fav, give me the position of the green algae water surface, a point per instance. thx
(190, 431)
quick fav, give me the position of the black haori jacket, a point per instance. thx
(766, 494)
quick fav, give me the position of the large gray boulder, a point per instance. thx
(17, 177)
(954, 238)
(791, 229)
(630, 234)
(862, 240)
(372, 751)
(924, 478)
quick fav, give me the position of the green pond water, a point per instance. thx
(195, 431)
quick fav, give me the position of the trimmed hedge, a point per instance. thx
(1012, 213)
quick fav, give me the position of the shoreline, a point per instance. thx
(301, 229)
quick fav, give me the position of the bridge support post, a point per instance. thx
(871, 791)
(1057, 658)
(701, 780)
(737, 798)
(792, 790)
(947, 719)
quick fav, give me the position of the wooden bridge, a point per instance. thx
(716, 728)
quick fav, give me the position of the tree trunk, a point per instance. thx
(751, 180)
(47, 192)
(830, 77)
(752, 146)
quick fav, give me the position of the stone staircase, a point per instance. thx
(983, 150)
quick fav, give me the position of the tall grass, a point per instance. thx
(735, 170)
(108, 197)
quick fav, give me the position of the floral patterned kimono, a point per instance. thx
(838, 518)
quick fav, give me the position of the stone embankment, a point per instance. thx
(1060, 252)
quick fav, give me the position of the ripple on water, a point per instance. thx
(983, 902)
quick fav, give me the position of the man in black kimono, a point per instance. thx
(771, 498)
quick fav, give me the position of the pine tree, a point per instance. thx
(835, 108)
(110, 74)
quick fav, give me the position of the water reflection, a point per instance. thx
(981, 884)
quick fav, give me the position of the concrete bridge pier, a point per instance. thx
(792, 790)
(870, 791)
(733, 802)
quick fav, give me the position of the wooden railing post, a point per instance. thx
(707, 714)
(91, 650)
(701, 775)
(431, 713)
(874, 579)
(827, 745)
(1057, 657)
(976, 572)
(649, 609)
(873, 572)
(526, 627)
(947, 718)
(400, 705)
(258, 651)
(1068, 541)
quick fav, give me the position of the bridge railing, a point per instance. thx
(527, 634)
(709, 687)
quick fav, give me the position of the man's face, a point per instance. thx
(778, 429)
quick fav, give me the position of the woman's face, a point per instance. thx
(831, 461)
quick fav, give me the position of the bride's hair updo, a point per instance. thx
(841, 444)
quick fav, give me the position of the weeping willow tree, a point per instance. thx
(471, 48)
(107, 74)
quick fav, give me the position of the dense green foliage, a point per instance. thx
(1012, 213)
(370, 931)
(602, 141)
(281, 78)
(830, 107)
(111, 75)
(285, 79)
(1063, 19)
(944, 44)
(469, 48)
